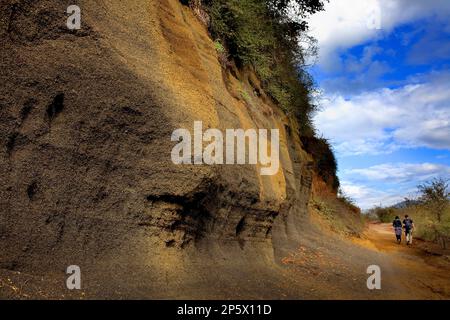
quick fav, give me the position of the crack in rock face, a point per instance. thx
(56, 107)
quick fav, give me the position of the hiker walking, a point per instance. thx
(408, 224)
(397, 224)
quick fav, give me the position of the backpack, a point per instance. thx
(397, 223)
(408, 224)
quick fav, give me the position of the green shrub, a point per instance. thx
(384, 214)
(264, 35)
(222, 53)
(219, 47)
(245, 95)
(435, 196)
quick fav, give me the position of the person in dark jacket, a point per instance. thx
(397, 224)
(408, 225)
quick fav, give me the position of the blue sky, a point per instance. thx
(384, 73)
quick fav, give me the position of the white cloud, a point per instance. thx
(402, 172)
(388, 119)
(388, 183)
(360, 114)
(346, 23)
(367, 197)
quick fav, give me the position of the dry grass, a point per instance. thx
(337, 215)
(426, 225)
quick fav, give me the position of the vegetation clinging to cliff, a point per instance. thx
(325, 163)
(270, 36)
(266, 35)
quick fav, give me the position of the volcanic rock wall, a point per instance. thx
(86, 176)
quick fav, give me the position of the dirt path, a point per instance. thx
(420, 271)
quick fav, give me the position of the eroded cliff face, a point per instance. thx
(85, 168)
